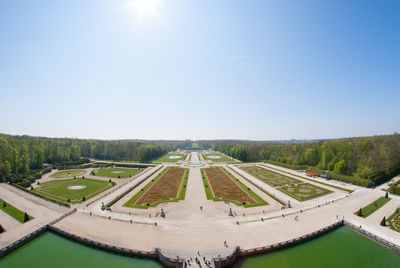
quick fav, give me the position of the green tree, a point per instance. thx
(341, 167)
(383, 222)
(6, 169)
(311, 156)
(26, 217)
(38, 158)
(1, 229)
(24, 163)
(75, 152)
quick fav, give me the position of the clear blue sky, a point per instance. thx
(205, 69)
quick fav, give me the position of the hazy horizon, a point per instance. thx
(176, 70)
(144, 139)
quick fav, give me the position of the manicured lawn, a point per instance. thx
(195, 145)
(297, 189)
(309, 179)
(217, 157)
(304, 191)
(59, 189)
(374, 206)
(68, 173)
(117, 172)
(394, 220)
(171, 158)
(169, 186)
(269, 177)
(13, 212)
(220, 185)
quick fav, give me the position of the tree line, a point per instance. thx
(365, 161)
(23, 155)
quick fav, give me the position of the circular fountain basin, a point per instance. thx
(175, 157)
(76, 187)
(195, 165)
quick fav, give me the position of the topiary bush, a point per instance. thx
(26, 217)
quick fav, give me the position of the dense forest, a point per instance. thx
(22, 157)
(365, 161)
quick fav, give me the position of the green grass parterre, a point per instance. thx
(309, 179)
(297, 189)
(14, 212)
(372, 207)
(59, 189)
(68, 173)
(222, 159)
(115, 172)
(166, 158)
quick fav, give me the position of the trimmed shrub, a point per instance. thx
(26, 217)
(83, 198)
(383, 222)
(359, 213)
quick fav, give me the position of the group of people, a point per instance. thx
(197, 260)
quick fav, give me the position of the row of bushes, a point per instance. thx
(26, 179)
(82, 166)
(81, 161)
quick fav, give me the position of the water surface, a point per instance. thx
(340, 248)
(52, 251)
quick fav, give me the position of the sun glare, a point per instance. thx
(146, 8)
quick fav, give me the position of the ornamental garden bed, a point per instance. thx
(297, 189)
(220, 185)
(169, 186)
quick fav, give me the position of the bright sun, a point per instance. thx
(146, 8)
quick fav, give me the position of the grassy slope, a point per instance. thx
(127, 172)
(13, 212)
